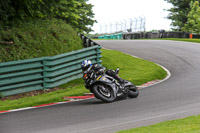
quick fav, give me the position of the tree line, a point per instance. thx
(77, 13)
(185, 15)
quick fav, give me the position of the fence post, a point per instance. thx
(98, 54)
(44, 73)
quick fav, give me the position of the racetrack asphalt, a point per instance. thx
(177, 97)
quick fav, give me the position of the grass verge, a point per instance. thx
(38, 38)
(172, 39)
(136, 70)
(186, 125)
(182, 39)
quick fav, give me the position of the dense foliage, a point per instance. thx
(37, 39)
(193, 23)
(77, 13)
(179, 12)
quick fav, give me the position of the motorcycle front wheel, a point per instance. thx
(103, 92)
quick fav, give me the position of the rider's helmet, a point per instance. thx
(86, 64)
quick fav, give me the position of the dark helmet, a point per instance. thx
(86, 64)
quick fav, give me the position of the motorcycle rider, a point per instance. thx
(87, 64)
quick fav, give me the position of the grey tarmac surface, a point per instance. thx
(177, 97)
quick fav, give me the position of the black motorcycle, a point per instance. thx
(106, 88)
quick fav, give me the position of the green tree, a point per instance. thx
(178, 13)
(14, 10)
(193, 23)
(77, 13)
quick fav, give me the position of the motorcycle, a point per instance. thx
(106, 88)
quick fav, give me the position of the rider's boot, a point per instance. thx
(121, 82)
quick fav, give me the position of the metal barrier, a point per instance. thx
(87, 42)
(118, 36)
(46, 72)
(149, 35)
(154, 35)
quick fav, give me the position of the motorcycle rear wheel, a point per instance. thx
(104, 93)
(133, 92)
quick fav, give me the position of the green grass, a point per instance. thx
(136, 70)
(186, 125)
(175, 39)
(172, 39)
(182, 39)
(51, 97)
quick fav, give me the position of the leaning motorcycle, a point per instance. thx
(106, 88)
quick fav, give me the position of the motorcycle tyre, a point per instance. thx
(98, 95)
(133, 92)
